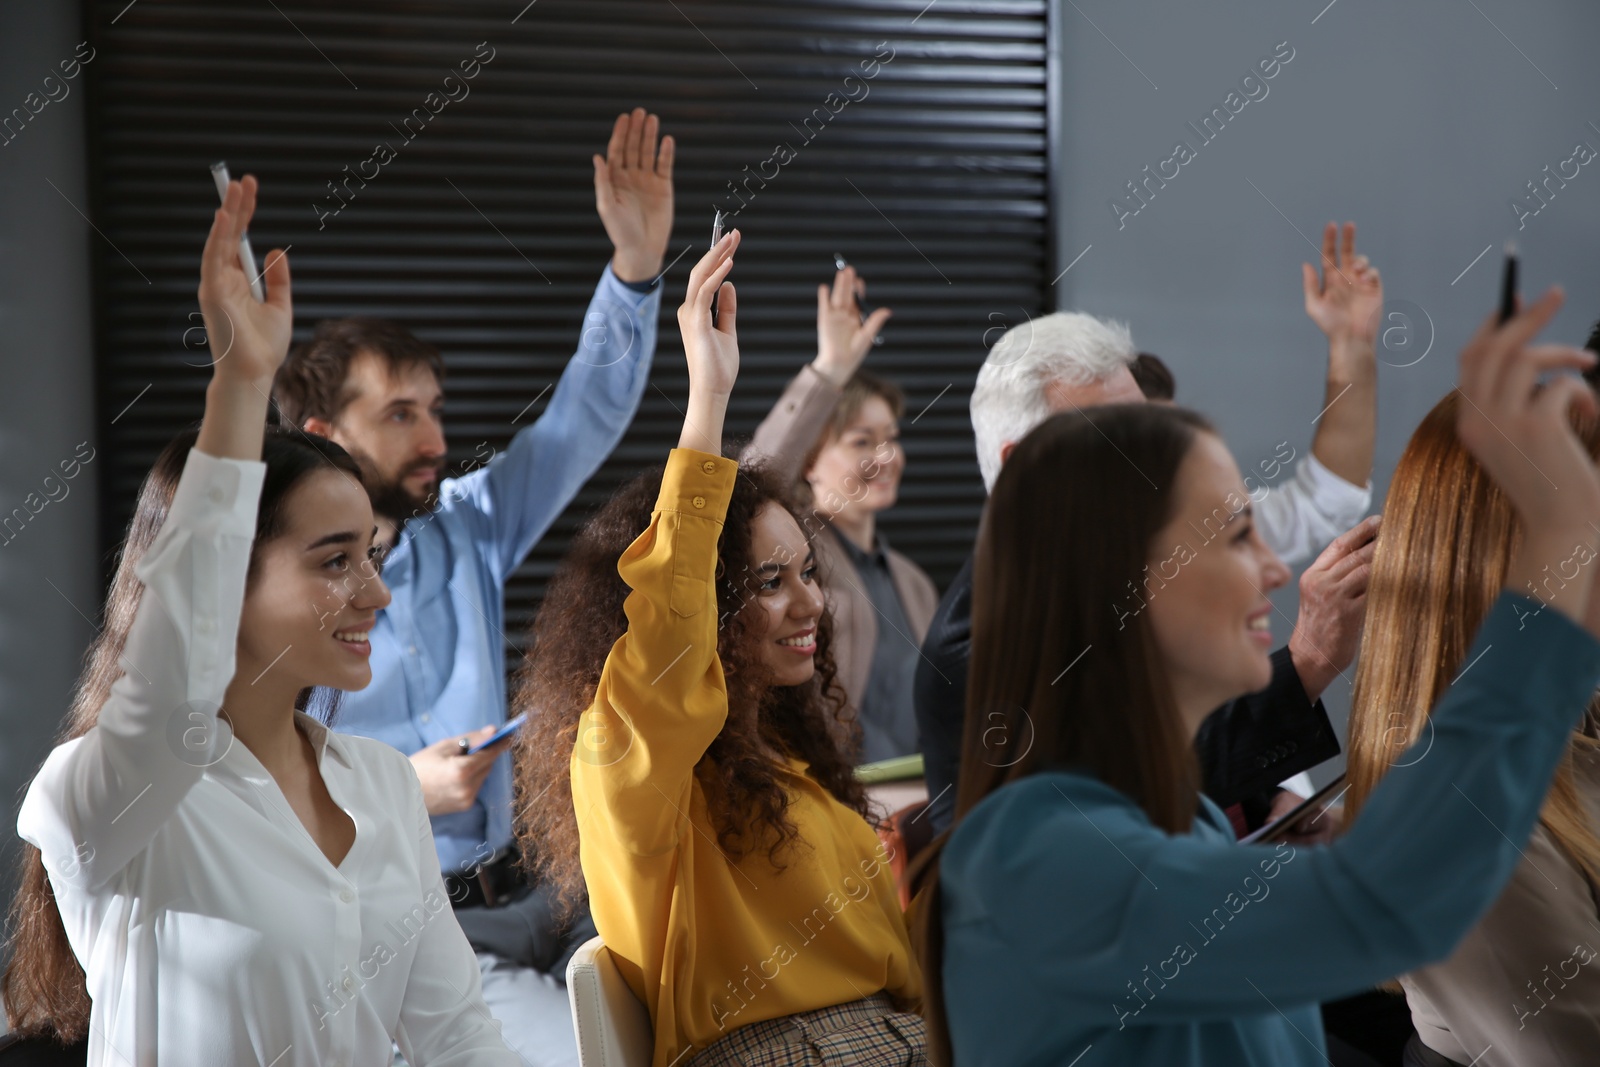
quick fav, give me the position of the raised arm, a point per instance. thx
(1330, 489)
(797, 420)
(100, 799)
(661, 698)
(510, 503)
(1345, 304)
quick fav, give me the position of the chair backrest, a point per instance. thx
(612, 1025)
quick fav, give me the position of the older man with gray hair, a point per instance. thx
(1069, 360)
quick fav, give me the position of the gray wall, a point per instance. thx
(1419, 121)
(49, 575)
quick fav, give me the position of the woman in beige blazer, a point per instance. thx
(834, 435)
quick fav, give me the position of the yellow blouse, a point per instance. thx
(711, 944)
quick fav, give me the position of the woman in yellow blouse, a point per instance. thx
(686, 758)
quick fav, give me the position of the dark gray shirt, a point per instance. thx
(887, 713)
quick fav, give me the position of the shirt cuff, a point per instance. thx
(219, 494)
(697, 483)
(633, 294)
(1330, 490)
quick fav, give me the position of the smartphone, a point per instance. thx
(247, 256)
(839, 264)
(1508, 284)
(716, 235)
(499, 735)
(1279, 828)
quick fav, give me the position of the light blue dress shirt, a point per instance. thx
(438, 650)
(1077, 932)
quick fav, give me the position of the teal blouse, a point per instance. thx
(1076, 932)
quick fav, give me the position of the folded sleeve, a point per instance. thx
(1309, 510)
(99, 800)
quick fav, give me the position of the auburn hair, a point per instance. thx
(1447, 540)
(1071, 522)
(581, 619)
(43, 988)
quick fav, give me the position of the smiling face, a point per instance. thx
(314, 593)
(859, 470)
(787, 601)
(1210, 617)
(394, 428)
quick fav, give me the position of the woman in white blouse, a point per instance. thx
(242, 887)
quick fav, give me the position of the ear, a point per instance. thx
(320, 427)
(1006, 449)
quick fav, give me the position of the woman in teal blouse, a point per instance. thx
(1090, 906)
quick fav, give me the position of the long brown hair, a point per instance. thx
(582, 618)
(1070, 525)
(43, 988)
(1447, 540)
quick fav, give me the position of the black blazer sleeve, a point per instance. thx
(940, 695)
(1249, 745)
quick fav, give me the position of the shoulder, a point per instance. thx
(384, 765)
(1015, 825)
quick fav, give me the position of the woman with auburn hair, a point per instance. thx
(212, 876)
(1522, 989)
(1090, 905)
(688, 765)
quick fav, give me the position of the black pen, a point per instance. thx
(1508, 284)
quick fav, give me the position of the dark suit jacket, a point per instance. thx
(1246, 747)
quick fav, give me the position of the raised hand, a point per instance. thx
(843, 340)
(1521, 432)
(247, 337)
(1346, 299)
(712, 351)
(633, 193)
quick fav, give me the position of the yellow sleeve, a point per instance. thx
(661, 700)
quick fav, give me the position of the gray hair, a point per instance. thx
(1009, 399)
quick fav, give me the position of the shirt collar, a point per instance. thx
(323, 740)
(857, 555)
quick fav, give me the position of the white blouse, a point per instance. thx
(211, 927)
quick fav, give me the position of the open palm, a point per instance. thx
(633, 193)
(248, 338)
(1348, 297)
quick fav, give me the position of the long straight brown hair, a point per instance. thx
(1447, 540)
(1067, 533)
(43, 988)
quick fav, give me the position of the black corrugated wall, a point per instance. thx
(931, 176)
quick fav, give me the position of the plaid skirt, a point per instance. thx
(862, 1033)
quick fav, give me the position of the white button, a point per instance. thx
(412, 650)
(204, 625)
(349, 984)
(426, 717)
(346, 896)
(217, 495)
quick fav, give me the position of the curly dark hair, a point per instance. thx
(582, 618)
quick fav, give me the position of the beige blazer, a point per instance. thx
(781, 443)
(1522, 989)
